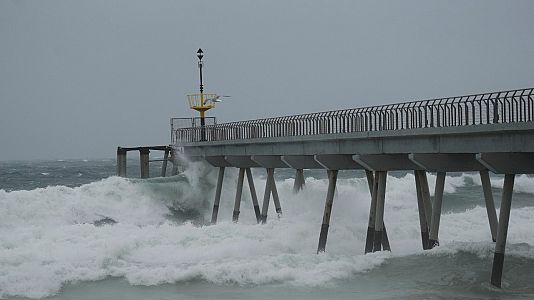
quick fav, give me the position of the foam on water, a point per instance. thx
(48, 239)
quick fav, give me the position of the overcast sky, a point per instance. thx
(79, 78)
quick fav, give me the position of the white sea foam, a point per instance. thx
(47, 239)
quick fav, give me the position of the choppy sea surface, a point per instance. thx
(70, 229)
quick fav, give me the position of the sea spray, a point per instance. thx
(48, 239)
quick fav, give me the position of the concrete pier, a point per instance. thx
(238, 194)
(373, 188)
(253, 195)
(490, 204)
(332, 179)
(299, 180)
(164, 163)
(267, 195)
(144, 162)
(436, 210)
(217, 201)
(473, 133)
(380, 203)
(276, 199)
(121, 162)
(502, 233)
(270, 189)
(144, 159)
(422, 217)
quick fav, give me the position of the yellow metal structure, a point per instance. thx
(199, 102)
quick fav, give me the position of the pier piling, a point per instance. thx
(164, 163)
(373, 187)
(253, 194)
(502, 233)
(218, 190)
(420, 206)
(121, 162)
(276, 199)
(299, 180)
(332, 179)
(380, 176)
(144, 153)
(490, 204)
(436, 210)
(267, 195)
(238, 194)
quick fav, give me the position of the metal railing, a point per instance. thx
(490, 108)
(187, 123)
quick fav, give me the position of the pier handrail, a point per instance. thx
(489, 108)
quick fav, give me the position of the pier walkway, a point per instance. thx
(491, 132)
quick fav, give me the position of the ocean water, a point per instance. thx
(69, 229)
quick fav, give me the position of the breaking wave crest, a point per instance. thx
(52, 236)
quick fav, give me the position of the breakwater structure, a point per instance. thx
(489, 132)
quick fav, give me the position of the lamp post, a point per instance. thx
(202, 102)
(200, 55)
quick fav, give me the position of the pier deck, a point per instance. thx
(491, 132)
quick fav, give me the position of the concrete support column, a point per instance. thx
(425, 192)
(267, 195)
(238, 193)
(420, 206)
(174, 161)
(332, 179)
(164, 164)
(436, 210)
(276, 199)
(253, 194)
(217, 196)
(502, 232)
(121, 162)
(144, 162)
(299, 181)
(490, 204)
(373, 188)
(380, 177)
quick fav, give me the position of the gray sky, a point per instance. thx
(78, 78)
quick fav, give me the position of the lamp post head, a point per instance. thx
(200, 54)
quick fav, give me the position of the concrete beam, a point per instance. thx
(269, 161)
(301, 162)
(217, 161)
(386, 162)
(337, 161)
(516, 137)
(241, 161)
(441, 162)
(508, 163)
